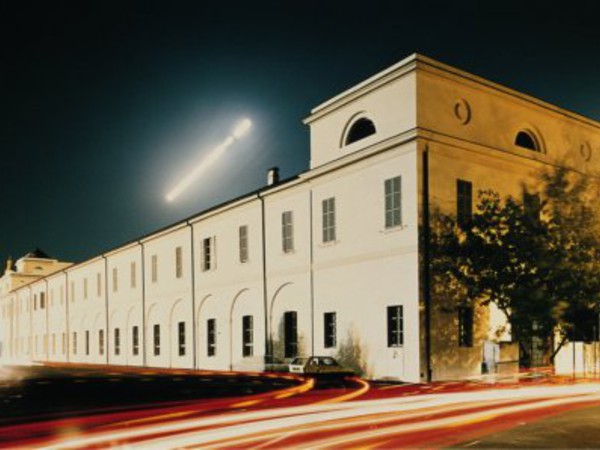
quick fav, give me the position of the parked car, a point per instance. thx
(319, 366)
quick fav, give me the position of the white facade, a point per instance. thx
(312, 265)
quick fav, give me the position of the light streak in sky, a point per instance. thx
(238, 132)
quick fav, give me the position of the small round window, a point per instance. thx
(360, 129)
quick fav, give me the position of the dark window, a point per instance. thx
(243, 235)
(211, 337)
(464, 202)
(359, 130)
(101, 341)
(465, 326)
(393, 202)
(42, 300)
(135, 340)
(290, 330)
(395, 325)
(247, 335)
(526, 140)
(207, 254)
(329, 220)
(34, 302)
(74, 342)
(87, 342)
(181, 338)
(117, 341)
(156, 339)
(330, 332)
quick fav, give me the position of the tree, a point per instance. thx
(537, 261)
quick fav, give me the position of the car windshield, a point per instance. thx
(299, 361)
(328, 362)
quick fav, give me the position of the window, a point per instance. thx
(525, 139)
(154, 268)
(35, 302)
(156, 339)
(72, 291)
(329, 331)
(115, 280)
(101, 342)
(74, 342)
(132, 274)
(211, 337)
(290, 332)
(135, 338)
(209, 253)
(247, 336)
(99, 284)
(87, 342)
(181, 338)
(395, 325)
(360, 129)
(393, 202)
(243, 235)
(178, 262)
(287, 231)
(117, 341)
(42, 300)
(465, 326)
(85, 288)
(329, 220)
(464, 202)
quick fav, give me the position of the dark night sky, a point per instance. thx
(105, 105)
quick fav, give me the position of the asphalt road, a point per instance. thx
(272, 412)
(578, 428)
(37, 393)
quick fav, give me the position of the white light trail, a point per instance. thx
(238, 132)
(248, 427)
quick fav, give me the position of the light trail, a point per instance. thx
(308, 418)
(238, 132)
(417, 414)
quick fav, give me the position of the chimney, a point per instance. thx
(272, 176)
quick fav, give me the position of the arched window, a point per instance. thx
(527, 140)
(360, 129)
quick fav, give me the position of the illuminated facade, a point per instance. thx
(326, 263)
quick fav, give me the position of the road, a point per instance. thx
(347, 415)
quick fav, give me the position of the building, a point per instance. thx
(328, 262)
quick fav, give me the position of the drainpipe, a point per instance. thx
(47, 307)
(426, 264)
(107, 347)
(67, 328)
(143, 304)
(268, 343)
(31, 337)
(312, 277)
(193, 280)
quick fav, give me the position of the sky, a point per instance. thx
(105, 105)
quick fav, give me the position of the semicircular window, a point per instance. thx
(360, 129)
(526, 140)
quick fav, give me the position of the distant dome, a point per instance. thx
(37, 253)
